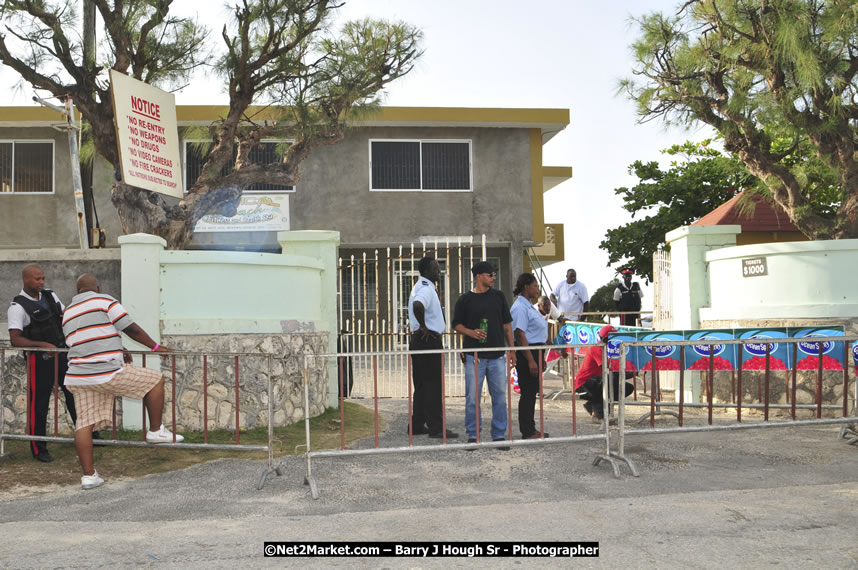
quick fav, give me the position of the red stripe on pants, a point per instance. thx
(31, 413)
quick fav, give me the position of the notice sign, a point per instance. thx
(754, 266)
(146, 134)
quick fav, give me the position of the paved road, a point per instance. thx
(704, 500)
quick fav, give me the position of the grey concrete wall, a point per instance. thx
(40, 220)
(334, 194)
(62, 268)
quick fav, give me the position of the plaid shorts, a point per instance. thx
(94, 402)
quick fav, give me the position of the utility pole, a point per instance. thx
(72, 128)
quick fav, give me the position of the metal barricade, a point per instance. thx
(657, 405)
(444, 444)
(171, 358)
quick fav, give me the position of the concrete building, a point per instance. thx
(402, 176)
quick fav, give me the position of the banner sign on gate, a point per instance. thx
(855, 355)
(614, 341)
(754, 354)
(666, 357)
(721, 356)
(808, 352)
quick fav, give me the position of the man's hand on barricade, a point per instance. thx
(126, 357)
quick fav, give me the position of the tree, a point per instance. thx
(277, 53)
(760, 71)
(603, 300)
(699, 180)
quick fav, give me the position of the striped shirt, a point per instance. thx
(92, 323)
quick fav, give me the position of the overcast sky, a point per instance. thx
(567, 54)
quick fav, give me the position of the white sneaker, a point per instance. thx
(91, 481)
(163, 435)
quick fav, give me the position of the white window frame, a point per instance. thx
(15, 143)
(470, 143)
(277, 141)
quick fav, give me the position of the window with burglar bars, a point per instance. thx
(420, 165)
(26, 167)
(267, 152)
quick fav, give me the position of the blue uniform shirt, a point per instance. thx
(424, 291)
(527, 318)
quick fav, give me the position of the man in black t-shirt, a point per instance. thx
(482, 318)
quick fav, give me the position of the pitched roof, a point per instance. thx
(767, 216)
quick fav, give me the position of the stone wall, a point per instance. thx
(289, 353)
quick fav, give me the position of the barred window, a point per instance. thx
(426, 165)
(267, 152)
(26, 167)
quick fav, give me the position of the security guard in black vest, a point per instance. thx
(35, 321)
(627, 297)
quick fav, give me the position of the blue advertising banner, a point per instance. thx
(808, 352)
(666, 357)
(614, 341)
(754, 354)
(723, 356)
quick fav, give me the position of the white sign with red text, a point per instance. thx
(147, 136)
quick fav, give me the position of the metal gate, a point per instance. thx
(662, 316)
(372, 295)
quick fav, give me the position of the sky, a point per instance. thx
(567, 54)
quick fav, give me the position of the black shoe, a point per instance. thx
(418, 430)
(472, 440)
(438, 435)
(504, 448)
(535, 435)
(44, 456)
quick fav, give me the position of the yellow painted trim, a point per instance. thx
(536, 193)
(549, 121)
(25, 114)
(557, 171)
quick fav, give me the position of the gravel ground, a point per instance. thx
(703, 500)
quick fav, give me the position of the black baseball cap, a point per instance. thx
(482, 267)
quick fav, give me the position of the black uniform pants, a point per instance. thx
(528, 384)
(40, 385)
(426, 375)
(591, 392)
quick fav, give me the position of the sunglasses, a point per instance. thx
(492, 274)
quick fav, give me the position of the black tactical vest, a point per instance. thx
(46, 325)
(631, 298)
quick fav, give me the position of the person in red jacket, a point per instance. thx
(588, 381)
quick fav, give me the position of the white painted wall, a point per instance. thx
(814, 279)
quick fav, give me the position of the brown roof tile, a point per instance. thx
(767, 216)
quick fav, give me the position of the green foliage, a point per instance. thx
(760, 72)
(280, 59)
(700, 179)
(603, 300)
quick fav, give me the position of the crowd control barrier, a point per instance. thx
(602, 433)
(193, 365)
(709, 348)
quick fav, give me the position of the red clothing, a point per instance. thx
(591, 366)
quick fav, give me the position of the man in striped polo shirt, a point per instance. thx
(99, 370)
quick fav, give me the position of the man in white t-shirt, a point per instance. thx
(571, 296)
